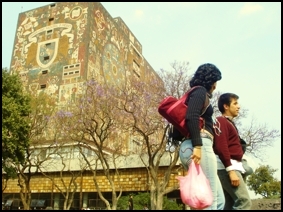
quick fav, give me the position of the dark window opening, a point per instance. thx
(46, 58)
(136, 63)
(136, 52)
(44, 71)
(136, 74)
(43, 86)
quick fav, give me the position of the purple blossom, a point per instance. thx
(63, 114)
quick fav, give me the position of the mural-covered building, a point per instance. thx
(57, 48)
(61, 45)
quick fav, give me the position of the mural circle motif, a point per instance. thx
(114, 73)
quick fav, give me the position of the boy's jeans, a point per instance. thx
(209, 166)
(237, 198)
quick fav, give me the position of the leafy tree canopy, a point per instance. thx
(263, 182)
(15, 125)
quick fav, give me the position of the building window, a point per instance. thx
(71, 71)
(51, 20)
(136, 74)
(44, 71)
(39, 154)
(136, 67)
(49, 32)
(46, 58)
(137, 53)
(136, 64)
(43, 86)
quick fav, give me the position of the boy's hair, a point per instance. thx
(226, 99)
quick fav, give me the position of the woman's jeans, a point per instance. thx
(209, 166)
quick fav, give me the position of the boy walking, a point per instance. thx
(229, 152)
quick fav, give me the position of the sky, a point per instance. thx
(242, 39)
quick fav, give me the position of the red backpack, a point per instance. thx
(174, 111)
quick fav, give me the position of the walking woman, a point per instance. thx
(199, 146)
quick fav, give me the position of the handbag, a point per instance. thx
(174, 111)
(195, 190)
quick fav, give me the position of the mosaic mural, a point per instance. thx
(59, 46)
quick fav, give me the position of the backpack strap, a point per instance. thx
(206, 104)
(242, 141)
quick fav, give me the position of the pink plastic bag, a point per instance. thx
(195, 188)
